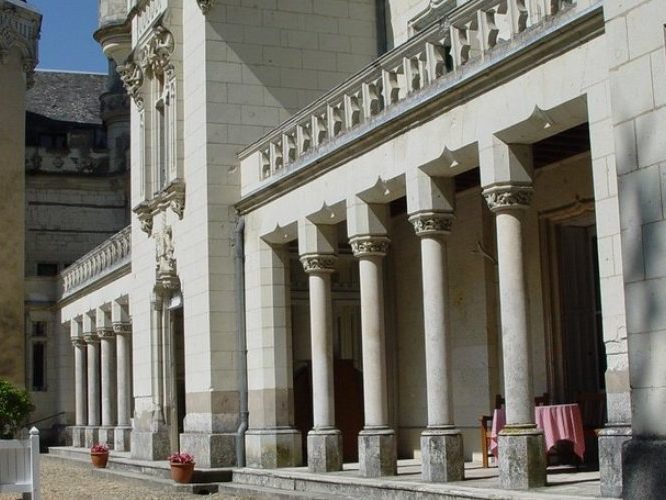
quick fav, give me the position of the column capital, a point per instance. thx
(77, 341)
(508, 196)
(318, 263)
(122, 327)
(432, 223)
(105, 333)
(91, 338)
(369, 245)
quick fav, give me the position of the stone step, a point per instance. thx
(121, 461)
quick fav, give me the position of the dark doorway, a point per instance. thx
(178, 339)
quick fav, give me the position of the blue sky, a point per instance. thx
(67, 42)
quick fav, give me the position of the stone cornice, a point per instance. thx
(508, 196)
(432, 223)
(318, 263)
(19, 28)
(367, 246)
(206, 5)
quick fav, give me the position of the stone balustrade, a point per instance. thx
(106, 258)
(442, 49)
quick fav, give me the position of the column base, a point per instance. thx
(273, 448)
(522, 457)
(377, 455)
(106, 435)
(324, 450)
(442, 455)
(611, 439)
(643, 466)
(121, 438)
(210, 450)
(91, 436)
(78, 436)
(149, 445)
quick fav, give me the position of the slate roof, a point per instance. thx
(68, 97)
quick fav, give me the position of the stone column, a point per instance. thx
(376, 442)
(108, 348)
(324, 440)
(522, 455)
(80, 397)
(123, 331)
(441, 443)
(92, 431)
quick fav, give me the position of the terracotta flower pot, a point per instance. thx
(182, 473)
(99, 458)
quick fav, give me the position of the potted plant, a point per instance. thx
(182, 466)
(99, 454)
(15, 408)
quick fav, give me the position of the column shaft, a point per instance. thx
(321, 328)
(80, 382)
(93, 380)
(436, 329)
(108, 379)
(372, 325)
(513, 309)
(123, 378)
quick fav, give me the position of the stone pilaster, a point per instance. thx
(324, 440)
(376, 442)
(80, 388)
(123, 331)
(441, 442)
(522, 462)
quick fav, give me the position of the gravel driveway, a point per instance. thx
(66, 481)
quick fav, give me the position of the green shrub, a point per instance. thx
(15, 407)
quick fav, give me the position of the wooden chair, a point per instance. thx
(486, 422)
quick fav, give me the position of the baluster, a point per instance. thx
(517, 11)
(435, 61)
(265, 161)
(304, 137)
(460, 45)
(276, 156)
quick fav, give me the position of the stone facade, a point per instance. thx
(400, 241)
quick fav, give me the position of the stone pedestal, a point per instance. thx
(377, 454)
(522, 457)
(210, 450)
(90, 436)
(150, 445)
(611, 440)
(442, 455)
(122, 438)
(324, 450)
(78, 435)
(643, 468)
(273, 448)
(107, 435)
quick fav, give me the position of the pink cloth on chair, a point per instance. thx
(558, 423)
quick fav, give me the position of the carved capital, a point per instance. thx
(77, 341)
(154, 56)
(122, 328)
(366, 246)
(318, 263)
(432, 223)
(105, 333)
(206, 5)
(131, 75)
(91, 338)
(508, 196)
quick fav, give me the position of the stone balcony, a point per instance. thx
(445, 63)
(99, 266)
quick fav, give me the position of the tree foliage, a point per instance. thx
(15, 407)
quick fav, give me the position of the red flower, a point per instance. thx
(99, 448)
(180, 458)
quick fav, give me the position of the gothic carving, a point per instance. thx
(154, 57)
(90, 338)
(145, 216)
(20, 27)
(173, 196)
(78, 342)
(122, 328)
(364, 246)
(166, 262)
(132, 78)
(503, 197)
(105, 332)
(426, 223)
(205, 5)
(318, 263)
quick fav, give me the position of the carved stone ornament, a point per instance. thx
(154, 56)
(507, 197)
(165, 261)
(91, 338)
(132, 78)
(105, 332)
(365, 246)
(78, 341)
(122, 328)
(144, 213)
(19, 27)
(205, 5)
(318, 263)
(429, 223)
